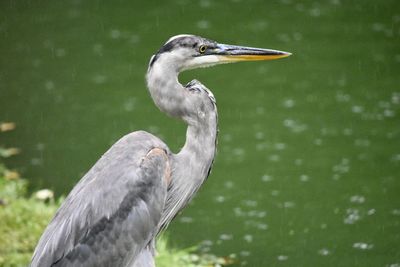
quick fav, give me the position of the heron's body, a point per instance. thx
(112, 216)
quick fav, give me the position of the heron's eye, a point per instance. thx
(202, 49)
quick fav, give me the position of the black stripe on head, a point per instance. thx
(184, 41)
(165, 48)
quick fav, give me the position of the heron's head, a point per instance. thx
(183, 52)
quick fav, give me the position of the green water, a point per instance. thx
(308, 167)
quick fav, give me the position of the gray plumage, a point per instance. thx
(113, 215)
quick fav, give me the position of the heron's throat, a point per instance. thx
(167, 93)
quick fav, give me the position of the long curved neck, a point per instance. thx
(167, 93)
(192, 164)
(173, 98)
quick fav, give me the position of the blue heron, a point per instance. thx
(114, 214)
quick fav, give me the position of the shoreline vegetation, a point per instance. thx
(24, 217)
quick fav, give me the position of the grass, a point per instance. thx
(22, 221)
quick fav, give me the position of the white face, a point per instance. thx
(202, 62)
(183, 52)
(187, 58)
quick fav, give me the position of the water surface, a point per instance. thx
(308, 164)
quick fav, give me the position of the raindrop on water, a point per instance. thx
(262, 226)
(396, 212)
(282, 258)
(228, 184)
(205, 3)
(362, 246)
(99, 79)
(357, 109)
(298, 162)
(371, 211)
(245, 253)
(266, 178)
(315, 12)
(115, 34)
(324, 252)
(203, 24)
(186, 219)
(353, 215)
(304, 178)
(357, 199)
(98, 49)
(279, 146)
(274, 157)
(219, 199)
(274, 193)
(250, 203)
(226, 237)
(49, 85)
(288, 204)
(248, 238)
(60, 52)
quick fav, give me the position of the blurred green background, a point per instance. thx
(308, 166)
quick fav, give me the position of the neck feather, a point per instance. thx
(193, 163)
(167, 93)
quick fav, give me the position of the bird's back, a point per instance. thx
(113, 213)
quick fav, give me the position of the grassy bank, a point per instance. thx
(23, 218)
